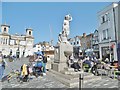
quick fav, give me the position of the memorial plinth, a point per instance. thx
(60, 60)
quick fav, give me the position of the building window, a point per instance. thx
(74, 43)
(6, 41)
(29, 32)
(105, 34)
(105, 18)
(5, 29)
(77, 42)
(1, 40)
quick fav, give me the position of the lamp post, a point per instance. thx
(81, 77)
(18, 52)
(110, 47)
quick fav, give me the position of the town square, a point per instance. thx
(61, 45)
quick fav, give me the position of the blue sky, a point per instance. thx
(42, 16)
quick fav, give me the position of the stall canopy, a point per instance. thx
(89, 52)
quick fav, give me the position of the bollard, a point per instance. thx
(81, 81)
(0, 85)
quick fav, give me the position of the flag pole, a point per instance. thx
(51, 41)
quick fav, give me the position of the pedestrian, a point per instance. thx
(2, 65)
(76, 65)
(24, 72)
(48, 58)
(94, 69)
(38, 67)
(44, 64)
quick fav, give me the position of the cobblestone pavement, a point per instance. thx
(105, 82)
(15, 65)
(50, 82)
(40, 82)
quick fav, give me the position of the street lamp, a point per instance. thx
(110, 47)
(81, 77)
(18, 52)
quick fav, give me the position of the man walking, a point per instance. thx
(2, 66)
(44, 64)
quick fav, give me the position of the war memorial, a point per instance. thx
(63, 50)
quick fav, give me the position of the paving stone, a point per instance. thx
(49, 81)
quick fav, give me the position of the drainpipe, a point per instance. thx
(115, 28)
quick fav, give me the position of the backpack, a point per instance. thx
(39, 64)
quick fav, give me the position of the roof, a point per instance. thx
(108, 7)
(29, 37)
(29, 29)
(5, 25)
(5, 34)
(91, 34)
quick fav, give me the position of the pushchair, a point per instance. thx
(38, 69)
(22, 79)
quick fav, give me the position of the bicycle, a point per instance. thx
(14, 73)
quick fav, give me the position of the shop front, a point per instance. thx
(108, 51)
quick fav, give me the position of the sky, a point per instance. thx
(44, 17)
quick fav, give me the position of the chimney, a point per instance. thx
(84, 34)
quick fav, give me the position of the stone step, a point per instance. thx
(69, 69)
(88, 75)
(90, 79)
(72, 76)
(69, 77)
(65, 81)
(70, 72)
(73, 80)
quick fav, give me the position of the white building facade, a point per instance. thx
(21, 45)
(37, 47)
(108, 29)
(76, 45)
(95, 43)
(44, 47)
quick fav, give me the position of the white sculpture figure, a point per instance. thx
(65, 30)
(66, 24)
(59, 38)
(62, 38)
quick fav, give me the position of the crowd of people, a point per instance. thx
(35, 68)
(89, 62)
